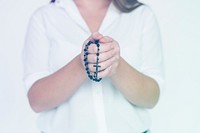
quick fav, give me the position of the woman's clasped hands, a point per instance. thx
(109, 55)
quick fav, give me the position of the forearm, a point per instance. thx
(57, 88)
(138, 88)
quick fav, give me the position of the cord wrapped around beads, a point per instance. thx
(95, 76)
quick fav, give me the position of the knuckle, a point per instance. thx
(112, 45)
(116, 58)
(108, 38)
(94, 58)
(91, 68)
(94, 49)
(85, 42)
(112, 52)
(89, 49)
(118, 49)
(102, 66)
(101, 57)
(91, 58)
(107, 71)
(88, 58)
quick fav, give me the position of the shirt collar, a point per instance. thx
(71, 8)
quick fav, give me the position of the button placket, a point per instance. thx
(99, 107)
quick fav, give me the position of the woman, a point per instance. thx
(130, 63)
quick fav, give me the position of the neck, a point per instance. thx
(92, 4)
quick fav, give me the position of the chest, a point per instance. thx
(93, 19)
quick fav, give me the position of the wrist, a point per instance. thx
(79, 62)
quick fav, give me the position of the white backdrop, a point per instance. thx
(177, 112)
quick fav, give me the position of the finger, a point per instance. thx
(106, 39)
(92, 58)
(92, 68)
(107, 63)
(106, 55)
(91, 73)
(102, 66)
(96, 36)
(92, 49)
(104, 47)
(104, 73)
(87, 40)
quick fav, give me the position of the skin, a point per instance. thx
(57, 88)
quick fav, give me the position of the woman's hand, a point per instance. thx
(109, 55)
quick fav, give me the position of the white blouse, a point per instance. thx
(55, 36)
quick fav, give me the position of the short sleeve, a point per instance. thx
(36, 51)
(152, 55)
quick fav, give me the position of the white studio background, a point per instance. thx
(179, 107)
